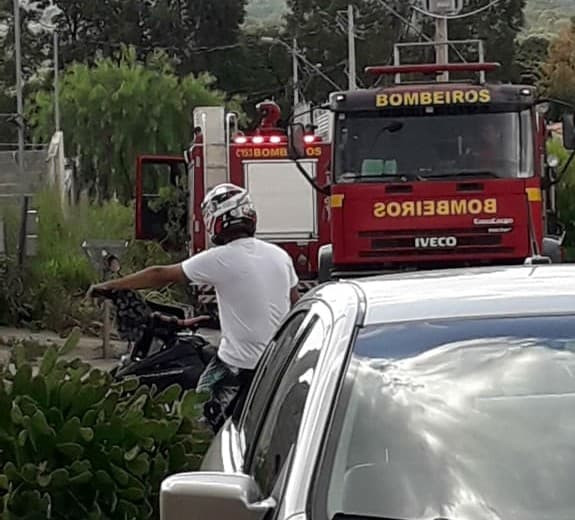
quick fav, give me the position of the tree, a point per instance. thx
(530, 56)
(559, 70)
(497, 26)
(320, 28)
(119, 108)
(181, 28)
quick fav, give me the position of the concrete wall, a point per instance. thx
(35, 171)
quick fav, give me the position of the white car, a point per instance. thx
(433, 395)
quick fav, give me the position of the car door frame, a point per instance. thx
(230, 445)
(347, 302)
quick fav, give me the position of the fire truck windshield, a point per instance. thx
(372, 147)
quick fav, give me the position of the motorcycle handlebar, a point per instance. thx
(156, 319)
(178, 324)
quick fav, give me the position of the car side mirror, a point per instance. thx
(296, 142)
(569, 131)
(212, 496)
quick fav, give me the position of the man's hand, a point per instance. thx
(96, 287)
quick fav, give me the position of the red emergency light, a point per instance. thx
(432, 68)
(260, 139)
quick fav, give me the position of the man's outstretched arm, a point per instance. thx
(150, 278)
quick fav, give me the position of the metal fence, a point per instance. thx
(12, 184)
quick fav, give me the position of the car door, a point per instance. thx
(272, 421)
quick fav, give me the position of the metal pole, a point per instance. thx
(23, 231)
(442, 50)
(107, 330)
(295, 66)
(19, 94)
(56, 82)
(351, 47)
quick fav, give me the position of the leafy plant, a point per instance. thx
(174, 201)
(121, 107)
(76, 445)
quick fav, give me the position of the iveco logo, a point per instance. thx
(435, 242)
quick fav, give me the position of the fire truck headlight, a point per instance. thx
(240, 140)
(308, 139)
(258, 139)
(275, 139)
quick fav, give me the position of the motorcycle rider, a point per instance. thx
(255, 283)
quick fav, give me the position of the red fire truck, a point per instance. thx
(428, 174)
(291, 212)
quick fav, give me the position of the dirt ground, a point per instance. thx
(89, 349)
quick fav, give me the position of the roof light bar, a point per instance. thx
(433, 68)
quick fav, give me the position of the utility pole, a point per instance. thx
(442, 50)
(295, 79)
(19, 96)
(56, 82)
(351, 47)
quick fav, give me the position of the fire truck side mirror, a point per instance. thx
(569, 131)
(296, 143)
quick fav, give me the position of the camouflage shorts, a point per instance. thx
(220, 381)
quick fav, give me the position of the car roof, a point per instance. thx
(469, 292)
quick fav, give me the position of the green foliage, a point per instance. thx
(559, 70)
(76, 445)
(530, 57)
(321, 30)
(113, 111)
(174, 200)
(48, 293)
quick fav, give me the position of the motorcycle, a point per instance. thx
(164, 347)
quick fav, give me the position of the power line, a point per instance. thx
(456, 16)
(417, 29)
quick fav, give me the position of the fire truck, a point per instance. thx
(436, 173)
(291, 213)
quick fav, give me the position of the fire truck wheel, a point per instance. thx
(325, 263)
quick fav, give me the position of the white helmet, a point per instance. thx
(228, 209)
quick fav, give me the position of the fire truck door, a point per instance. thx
(155, 175)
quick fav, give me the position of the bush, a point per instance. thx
(49, 292)
(76, 445)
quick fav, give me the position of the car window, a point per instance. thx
(280, 428)
(268, 373)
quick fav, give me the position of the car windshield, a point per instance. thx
(470, 419)
(373, 147)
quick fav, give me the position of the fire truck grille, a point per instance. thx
(432, 242)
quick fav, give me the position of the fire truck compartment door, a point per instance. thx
(285, 201)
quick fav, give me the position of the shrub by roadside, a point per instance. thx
(49, 292)
(75, 445)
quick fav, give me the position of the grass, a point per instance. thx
(54, 282)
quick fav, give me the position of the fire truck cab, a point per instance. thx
(434, 174)
(290, 212)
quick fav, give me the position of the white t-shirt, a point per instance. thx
(252, 280)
